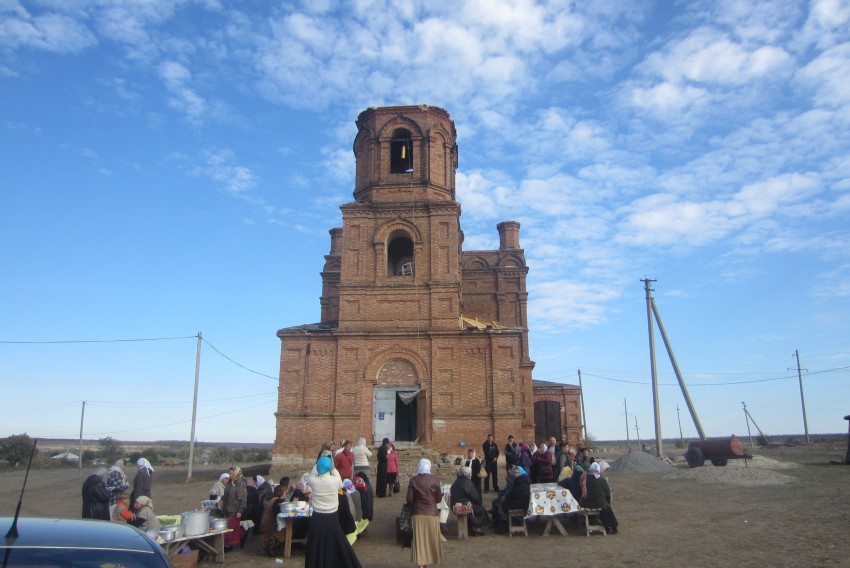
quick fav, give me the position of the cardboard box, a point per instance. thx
(185, 560)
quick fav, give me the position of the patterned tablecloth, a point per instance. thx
(551, 499)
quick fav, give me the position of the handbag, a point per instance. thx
(396, 487)
(405, 520)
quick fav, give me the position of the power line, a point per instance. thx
(237, 364)
(99, 340)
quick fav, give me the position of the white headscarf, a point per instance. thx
(424, 467)
(260, 480)
(361, 442)
(595, 470)
(143, 462)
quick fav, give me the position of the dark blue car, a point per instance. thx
(78, 543)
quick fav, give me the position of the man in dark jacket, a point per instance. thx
(96, 496)
(491, 458)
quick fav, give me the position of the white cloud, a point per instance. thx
(828, 76)
(220, 166)
(49, 32)
(563, 304)
(176, 78)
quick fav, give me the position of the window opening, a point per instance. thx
(401, 152)
(400, 261)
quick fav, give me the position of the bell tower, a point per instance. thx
(398, 257)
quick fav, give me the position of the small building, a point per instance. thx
(419, 341)
(67, 456)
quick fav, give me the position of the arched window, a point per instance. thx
(400, 261)
(401, 152)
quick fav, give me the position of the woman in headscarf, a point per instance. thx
(116, 484)
(545, 467)
(217, 490)
(463, 491)
(519, 496)
(361, 457)
(234, 507)
(474, 465)
(367, 495)
(596, 494)
(96, 496)
(144, 512)
(524, 456)
(423, 494)
(381, 482)
(327, 545)
(143, 481)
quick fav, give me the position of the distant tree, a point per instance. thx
(221, 454)
(109, 449)
(16, 449)
(89, 456)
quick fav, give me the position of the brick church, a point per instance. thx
(419, 341)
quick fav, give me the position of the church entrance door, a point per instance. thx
(395, 414)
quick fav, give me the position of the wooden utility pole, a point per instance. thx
(583, 415)
(747, 418)
(802, 398)
(194, 408)
(628, 442)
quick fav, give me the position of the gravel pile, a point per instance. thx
(640, 462)
(757, 471)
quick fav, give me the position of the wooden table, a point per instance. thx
(286, 521)
(211, 542)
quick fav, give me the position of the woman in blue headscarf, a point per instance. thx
(519, 496)
(326, 543)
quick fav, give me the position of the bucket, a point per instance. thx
(195, 523)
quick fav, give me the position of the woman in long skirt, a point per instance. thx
(423, 494)
(381, 478)
(327, 546)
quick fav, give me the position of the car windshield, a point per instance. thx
(79, 558)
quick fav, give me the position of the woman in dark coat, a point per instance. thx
(96, 496)
(545, 469)
(463, 491)
(596, 494)
(381, 482)
(519, 496)
(367, 496)
(143, 481)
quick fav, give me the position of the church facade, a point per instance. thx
(419, 341)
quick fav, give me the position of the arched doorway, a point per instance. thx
(397, 403)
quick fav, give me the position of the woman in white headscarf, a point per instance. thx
(423, 494)
(596, 494)
(144, 512)
(361, 457)
(143, 481)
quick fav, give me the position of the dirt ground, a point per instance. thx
(790, 507)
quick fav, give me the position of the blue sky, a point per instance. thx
(170, 167)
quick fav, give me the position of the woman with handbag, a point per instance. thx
(423, 494)
(393, 485)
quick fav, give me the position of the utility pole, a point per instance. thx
(747, 418)
(802, 398)
(655, 404)
(637, 431)
(679, 418)
(194, 408)
(583, 415)
(628, 442)
(82, 415)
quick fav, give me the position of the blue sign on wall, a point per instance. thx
(380, 416)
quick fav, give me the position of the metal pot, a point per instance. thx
(178, 530)
(168, 536)
(287, 507)
(218, 524)
(195, 522)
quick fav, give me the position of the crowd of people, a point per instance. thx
(339, 490)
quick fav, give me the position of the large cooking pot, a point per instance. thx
(178, 530)
(218, 524)
(195, 522)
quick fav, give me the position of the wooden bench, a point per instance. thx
(592, 521)
(516, 522)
